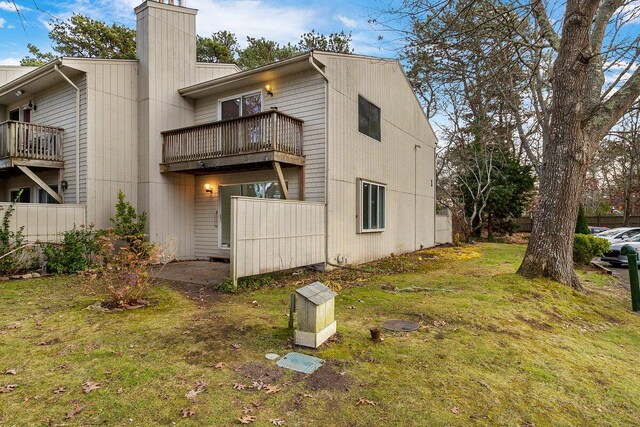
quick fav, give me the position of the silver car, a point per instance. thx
(616, 235)
(615, 258)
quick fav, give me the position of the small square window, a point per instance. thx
(372, 206)
(368, 119)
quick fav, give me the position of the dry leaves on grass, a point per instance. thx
(363, 401)
(455, 410)
(247, 419)
(201, 386)
(270, 389)
(236, 346)
(10, 372)
(59, 390)
(8, 388)
(90, 386)
(75, 411)
(277, 422)
(188, 412)
(220, 365)
(239, 386)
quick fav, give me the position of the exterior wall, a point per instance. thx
(57, 107)
(112, 128)
(444, 228)
(12, 72)
(207, 205)
(44, 222)
(20, 180)
(407, 171)
(302, 95)
(166, 45)
(209, 71)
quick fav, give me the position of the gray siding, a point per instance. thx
(12, 72)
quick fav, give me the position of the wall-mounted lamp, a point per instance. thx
(64, 185)
(19, 92)
(32, 106)
(269, 90)
(208, 188)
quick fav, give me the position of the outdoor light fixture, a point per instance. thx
(32, 106)
(268, 89)
(64, 185)
(208, 188)
(19, 92)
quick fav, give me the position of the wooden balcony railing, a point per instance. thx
(267, 131)
(30, 141)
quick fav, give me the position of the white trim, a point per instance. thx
(360, 206)
(259, 91)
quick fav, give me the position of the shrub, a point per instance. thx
(9, 241)
(586, 247)
(581, 223)
(128, 224)
(125, 273)
(78, 251)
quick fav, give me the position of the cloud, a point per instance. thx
(255, 18)
(2, 22)
(10, 61)
(347, 22)
(12, 7)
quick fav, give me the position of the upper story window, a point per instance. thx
(368, 118)
(372, 206)
(240, 106)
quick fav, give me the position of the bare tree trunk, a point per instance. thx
(565, 160)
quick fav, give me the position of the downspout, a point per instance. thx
(55, 67)
(326, 160)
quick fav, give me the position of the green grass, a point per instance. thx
(493, 349)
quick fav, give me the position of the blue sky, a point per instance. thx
(281, 20)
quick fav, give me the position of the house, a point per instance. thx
(323, 158)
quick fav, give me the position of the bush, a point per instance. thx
(128, 224)
(586, 247)
(78, 251)
(581, 223)
(9, 241)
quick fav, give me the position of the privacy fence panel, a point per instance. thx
(44, 222)
(271, 235)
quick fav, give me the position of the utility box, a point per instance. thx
(315, 310)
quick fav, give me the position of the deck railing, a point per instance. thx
(30, 141)
(267, 131)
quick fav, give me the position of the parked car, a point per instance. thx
(616, 235)
(596, 230)
(615, 258)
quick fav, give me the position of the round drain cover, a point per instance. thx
(400, 325)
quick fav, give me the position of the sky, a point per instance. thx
(282, 20)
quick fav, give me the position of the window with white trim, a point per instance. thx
(371, 196)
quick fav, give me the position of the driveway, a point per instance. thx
(620, 273)
(204, 273)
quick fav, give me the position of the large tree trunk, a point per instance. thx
(565, 158)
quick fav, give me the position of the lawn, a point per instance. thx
(493, 349)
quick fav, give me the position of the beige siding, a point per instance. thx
(444, 231)
(301, 95)
(207, 205)
(112, 153)
(57, 107)
(271, 235)
(12, 72)
(44, 222)
(407, 171)
(20, 180)
(206, 71)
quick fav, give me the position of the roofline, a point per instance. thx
(194, 89)
(30, 76)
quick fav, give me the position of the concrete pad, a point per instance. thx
(194, 272)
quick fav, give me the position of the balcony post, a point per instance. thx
(274, 131)
(12, 141)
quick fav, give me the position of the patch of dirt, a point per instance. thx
(257, 371)
(328, 378)
(543, 326)
(113, 307)
(198, 292)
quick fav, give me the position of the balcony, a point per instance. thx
(250, 142)
(30, 144)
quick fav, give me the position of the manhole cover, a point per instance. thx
(300, 362)
(400, 325)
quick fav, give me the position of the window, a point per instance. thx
(16, 195)
(20, 115)
(368, 119)
(44, 197)
(372, 202)
(240, 106)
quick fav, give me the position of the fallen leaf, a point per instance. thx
(363, 401)
(236, 346)
(75, 411)
(277, 422)
(120, 390)
(258, 385)
(13, 326)
(10, 372)
(59, 390)
(89, 386)
(50, 342)
(246, 410)
(455, 410)
(188, 412)
(201, 386)
(272, 389)
(8, 388)
(247, 419)
(439, 323)
(239, 386)
(62, 367)
(220, 365)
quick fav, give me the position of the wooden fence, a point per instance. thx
(43, 222)
(610, 221)
(271, 235)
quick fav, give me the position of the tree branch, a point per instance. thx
(546, 30)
